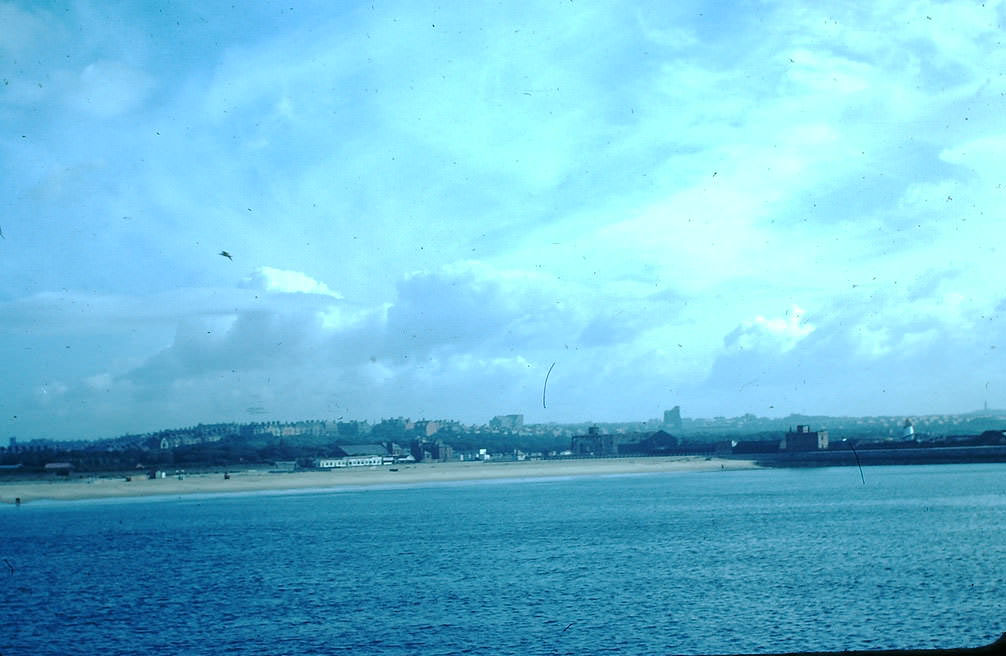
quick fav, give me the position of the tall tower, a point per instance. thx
(672, 418)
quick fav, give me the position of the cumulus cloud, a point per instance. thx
(427, 208)
(270, 279)
(778, 334)
(456, 338)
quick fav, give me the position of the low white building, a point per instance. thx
(360, 461)
(349, 461)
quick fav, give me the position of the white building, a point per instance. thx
(349, 461)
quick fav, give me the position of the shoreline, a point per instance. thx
(261, 480)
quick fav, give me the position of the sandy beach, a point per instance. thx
(97, 487)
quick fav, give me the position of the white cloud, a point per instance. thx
(270, 279)
(982, 155)
(776, 334)
(434, 206)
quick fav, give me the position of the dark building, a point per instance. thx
(804, 439)
(672, 418)
(441, 452)
(594, 444)
(646, 444)
(435, 451)
(660, 443)
(348, 450)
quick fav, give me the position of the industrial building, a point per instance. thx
(649, 444)
(804, 439)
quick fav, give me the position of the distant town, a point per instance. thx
(325, 444)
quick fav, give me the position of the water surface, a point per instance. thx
(719, 562)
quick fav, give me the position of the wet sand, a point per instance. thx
(97, 487)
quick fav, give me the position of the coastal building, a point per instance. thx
(442, 452)
(594, 443)
(804, 439)
(426, 450)
(658, 443)
(349, 461)
(359, 461)
(672, 418)
(354, 450)
(58, 468)
(355, 455)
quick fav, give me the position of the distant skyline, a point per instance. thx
(220, 212)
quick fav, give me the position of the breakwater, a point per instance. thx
(900, 456)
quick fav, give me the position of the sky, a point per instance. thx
(735, 207)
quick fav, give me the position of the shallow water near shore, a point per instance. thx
(716, 562)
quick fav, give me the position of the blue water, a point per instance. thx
(722, 562)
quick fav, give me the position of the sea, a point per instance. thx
(723, 562)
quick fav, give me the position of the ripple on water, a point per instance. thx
(736, 561)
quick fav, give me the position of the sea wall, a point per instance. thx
(919, 456)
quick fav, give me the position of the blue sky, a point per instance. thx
(732, 207)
